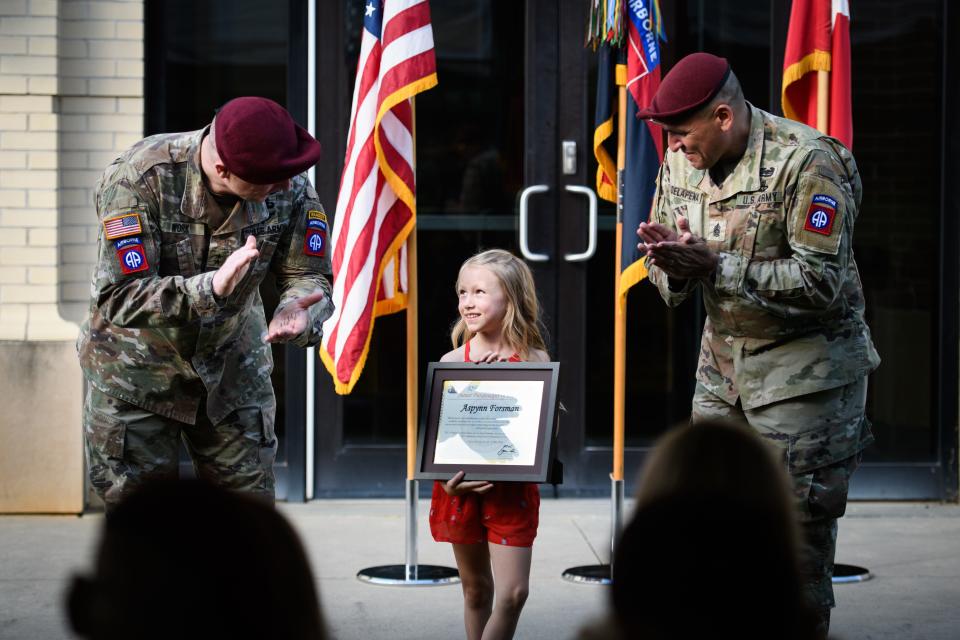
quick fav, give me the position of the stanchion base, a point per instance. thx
(589, 574)
(395, 575)
(846, 573)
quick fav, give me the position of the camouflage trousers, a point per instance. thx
(819, 438)
(126, 445)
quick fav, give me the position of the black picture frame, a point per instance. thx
(440, 372)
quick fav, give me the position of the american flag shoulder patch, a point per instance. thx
(122, 226)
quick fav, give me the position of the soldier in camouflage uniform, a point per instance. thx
(177, 343)
(758, 213)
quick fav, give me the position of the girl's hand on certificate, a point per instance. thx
(456, 487)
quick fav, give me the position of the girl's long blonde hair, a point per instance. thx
(522, 327)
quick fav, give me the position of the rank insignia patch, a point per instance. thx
(131, 255)
(314, 243)
(122, 226)
(820, 215)
(716, 230)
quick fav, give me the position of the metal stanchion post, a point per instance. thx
(413, 489)
(616, 517)
(603, 573)
(410, 574)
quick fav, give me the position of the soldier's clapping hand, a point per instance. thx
(234, 268)
(292, 319)
(653, 232)
(680, 256)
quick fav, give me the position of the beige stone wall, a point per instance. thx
(71, 98)
(41, 452)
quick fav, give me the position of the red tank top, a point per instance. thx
(466, 354)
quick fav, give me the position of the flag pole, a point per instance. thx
(411, 573)
(620, 328)
(603, 573)
(823, 101)
(412, 485)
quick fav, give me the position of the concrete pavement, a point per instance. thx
(913, 549)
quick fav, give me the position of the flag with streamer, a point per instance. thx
(376, 205)
(643, 30)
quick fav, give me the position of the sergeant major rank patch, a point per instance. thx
(716, 230)
(820, 215)
(122, 226)
(131, 255)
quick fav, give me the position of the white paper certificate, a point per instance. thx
(489, 422)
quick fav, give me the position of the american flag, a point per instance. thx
(376, 208)
(123, 226)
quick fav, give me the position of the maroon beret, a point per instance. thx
(258, 140)
(691, 83)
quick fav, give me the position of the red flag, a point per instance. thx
(376, 207)
(819, 40)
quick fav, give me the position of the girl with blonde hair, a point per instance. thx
(492, 525)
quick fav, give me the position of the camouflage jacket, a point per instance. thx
(785, 305)
(156, 335)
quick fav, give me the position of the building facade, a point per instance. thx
(81, 80)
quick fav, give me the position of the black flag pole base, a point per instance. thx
(602, 573)
(847, 573)
(589, 574)
(410, 574)
(399, 575)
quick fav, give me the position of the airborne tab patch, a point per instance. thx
(820, 215)
(131, 255)
(122, 226)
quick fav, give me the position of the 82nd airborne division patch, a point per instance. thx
(315, 243)
(131, 255)
(315, 240)
(820, 215)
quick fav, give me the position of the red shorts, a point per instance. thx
(508, 514)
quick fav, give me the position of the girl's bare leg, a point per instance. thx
(511, 571)
(473, 562)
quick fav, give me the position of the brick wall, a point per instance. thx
(101, 113)
(71, 97)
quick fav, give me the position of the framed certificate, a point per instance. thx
(492, 421)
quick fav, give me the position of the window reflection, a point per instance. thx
(210, 52)
(897, 98)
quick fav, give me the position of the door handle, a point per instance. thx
(524, 236)
(592, 235)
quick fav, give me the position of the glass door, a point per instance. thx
(472, 131)
(516, 88)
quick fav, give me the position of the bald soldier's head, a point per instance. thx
(700, 106)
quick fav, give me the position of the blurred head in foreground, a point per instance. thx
(186, 559)
(713, 547)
